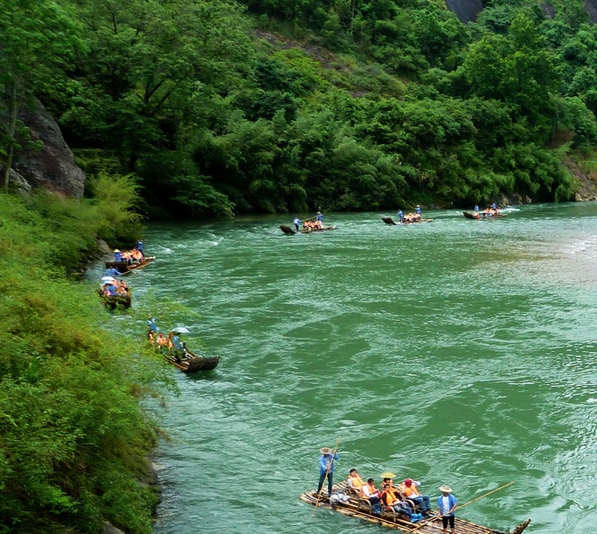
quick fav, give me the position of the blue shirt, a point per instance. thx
(151, 324)
(297, 221)
(400, 214)
(117, 256)
(177, 343)
(320, 217)
(325, 461)
(112, 271)
(418, 209)
(494, 206)
(139, 246)
(453, 500)
(476, 208)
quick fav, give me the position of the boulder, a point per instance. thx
(465, 10)
(53, 166)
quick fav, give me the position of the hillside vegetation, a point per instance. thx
(74, 439)
(224, 107)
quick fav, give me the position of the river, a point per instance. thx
(453, 352)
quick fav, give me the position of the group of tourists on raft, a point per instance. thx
(310, 224)
(489, 211)
(404, 499)
(410, 217)
(170, 345)
(130, 256)
(112, 287)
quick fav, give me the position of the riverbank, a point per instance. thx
(75, 438)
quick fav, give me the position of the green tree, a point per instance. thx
(37, 37)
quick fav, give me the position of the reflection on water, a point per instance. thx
(457, 351)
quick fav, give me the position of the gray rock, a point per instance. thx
(108, 528)
(53, 166)
(465, 10)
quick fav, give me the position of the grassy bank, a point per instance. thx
(74, 439)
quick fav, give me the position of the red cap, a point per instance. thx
(408, 482)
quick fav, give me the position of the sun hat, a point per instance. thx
(387, 474)
(116, 250)
(325, 450)
(445, 489)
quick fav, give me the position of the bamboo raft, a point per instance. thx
(288, 230)
(115, 301)
(191, 362)
(482, 215)
(389, 220)
(361, 509)
(125, 267)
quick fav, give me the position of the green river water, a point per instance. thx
(454, 352)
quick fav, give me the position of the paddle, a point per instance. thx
(327, 472)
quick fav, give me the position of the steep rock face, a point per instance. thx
(53, 167)
(592, 10)
(465, 10)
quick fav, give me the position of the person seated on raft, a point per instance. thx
(109, 289)
(354, 480)
(390, 496)
(372, 494)
(409, 490)
(122, 289)
(136, 256)
(162, 342)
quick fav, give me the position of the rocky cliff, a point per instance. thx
(467, 10)
(53, 166)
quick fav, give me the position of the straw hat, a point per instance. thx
(116, 250)
(387, 474)
(445, 489)
(325, 450)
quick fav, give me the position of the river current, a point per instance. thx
(453, 352)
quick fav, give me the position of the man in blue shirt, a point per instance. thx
(418, 209)
(139, 246)
(326, 468)
(117, 255)
(112, 271)
(297, 223)
(152, 325)
(447, 507)
(400, 215)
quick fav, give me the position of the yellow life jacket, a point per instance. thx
(356, 482)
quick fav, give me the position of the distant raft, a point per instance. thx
(191, 362)
(481, 215)
(125, 266)
(347, 503)
(115, 301)
(288, 230)
(389, 220)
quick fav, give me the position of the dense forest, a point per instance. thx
(225, 107)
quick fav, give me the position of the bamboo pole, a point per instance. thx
(485, 495)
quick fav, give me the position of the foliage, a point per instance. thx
(74, 439)
(219, 109)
